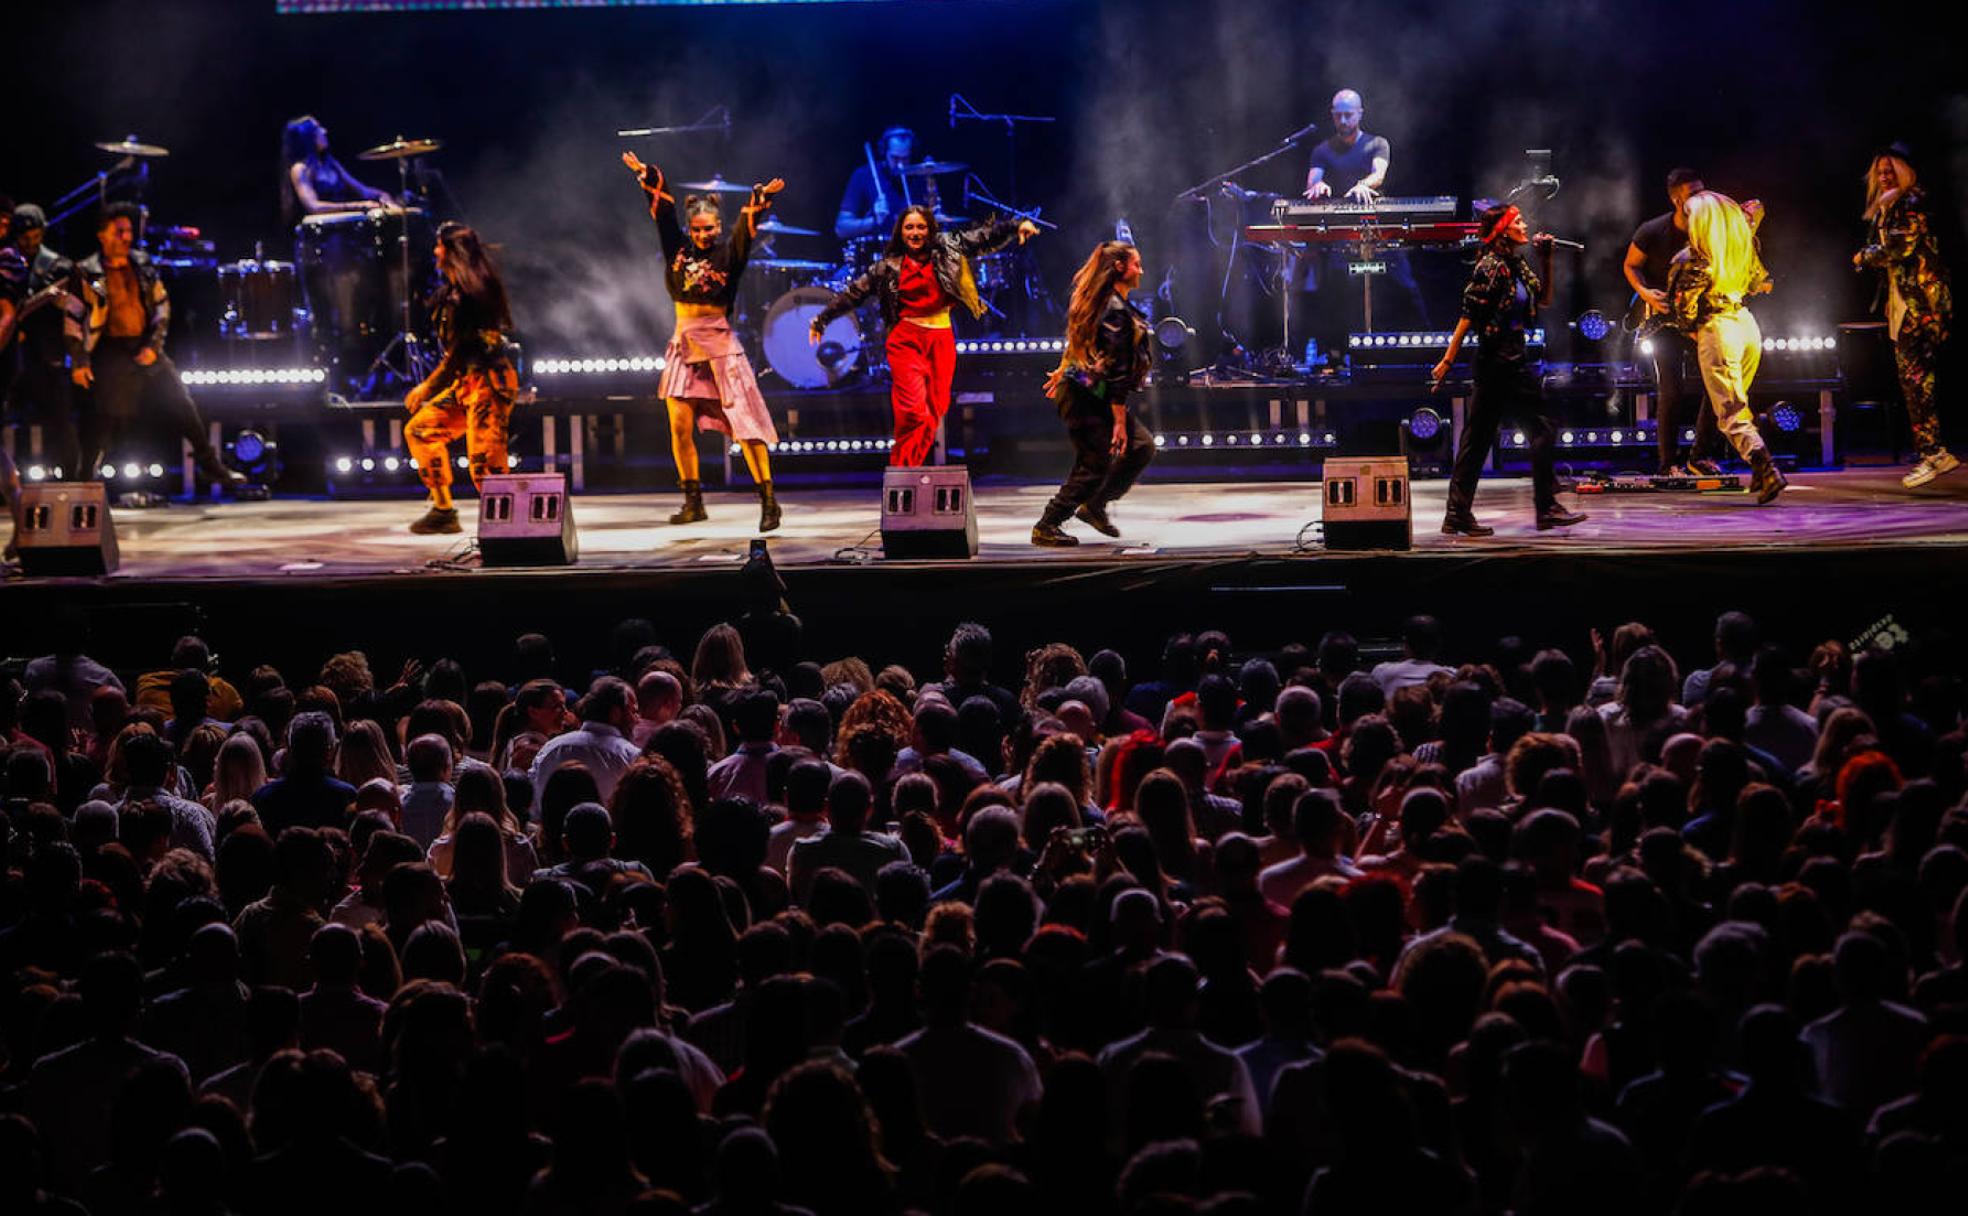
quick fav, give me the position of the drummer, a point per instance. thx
(316, 182)
(870, 203)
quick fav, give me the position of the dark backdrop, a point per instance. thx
(1778, 100)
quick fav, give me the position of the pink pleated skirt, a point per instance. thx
(706, 366)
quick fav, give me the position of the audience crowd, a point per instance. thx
(1333, 928)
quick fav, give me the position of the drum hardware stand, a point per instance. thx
(1032, 283)
(1200, 193)
(962, 111)
(416, 364)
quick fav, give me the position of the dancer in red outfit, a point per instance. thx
(921, 276)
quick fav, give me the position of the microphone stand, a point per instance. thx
(1195, 193)
(962, 111)
(717, 118)
(974, 189)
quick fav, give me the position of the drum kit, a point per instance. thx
(350, 297)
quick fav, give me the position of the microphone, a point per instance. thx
(1565, 244)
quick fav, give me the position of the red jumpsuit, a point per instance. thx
(922, 360)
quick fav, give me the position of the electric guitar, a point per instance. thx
(28, 307)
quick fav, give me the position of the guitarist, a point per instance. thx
(1653, 247)
(40, 394)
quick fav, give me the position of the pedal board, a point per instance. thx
(1722, 483)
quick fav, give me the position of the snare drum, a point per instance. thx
(259, 299)
(846, 347)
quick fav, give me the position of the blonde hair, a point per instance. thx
(1720, 234)
(1876, 200)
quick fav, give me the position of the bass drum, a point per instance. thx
(846, 346)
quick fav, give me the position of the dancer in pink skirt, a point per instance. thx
(707, 380)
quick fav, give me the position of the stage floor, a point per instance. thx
(294, 539)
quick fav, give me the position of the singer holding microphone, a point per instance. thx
(1499, 305)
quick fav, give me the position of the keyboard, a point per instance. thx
(1301, 211)
(1396, 234)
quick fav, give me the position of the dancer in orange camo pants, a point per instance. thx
(471, 392)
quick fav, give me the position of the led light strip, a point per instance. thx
(824, 447)
(1238, 439)
(1011, 346)
(254, 376)
(1420, 341)
(597, 367)
(398, 464)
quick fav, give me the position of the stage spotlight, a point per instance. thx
(1647, 346)
(36, 473)
(344, 465)
(1592, 325)
(155, 469)
(1786, 417)
(257, 457)
(1175, 345)
(131, 470)
(1425, 443)
(391, 464)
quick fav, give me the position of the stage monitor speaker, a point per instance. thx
(527, 519)
(66, 529)
(1367, 503)
(927, 513)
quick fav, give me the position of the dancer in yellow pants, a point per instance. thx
(1706, 285)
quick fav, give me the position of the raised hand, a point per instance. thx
(1026, 231)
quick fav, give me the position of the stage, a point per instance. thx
(293, 541)
(1839, 551)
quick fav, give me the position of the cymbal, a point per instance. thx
(128, 146)
(398, 148)
(932, 168)
(716, 185)
(773, 227)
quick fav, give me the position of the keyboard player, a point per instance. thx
(1349, 165)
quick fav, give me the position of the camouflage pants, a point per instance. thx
(478, 406)
(1916, 352)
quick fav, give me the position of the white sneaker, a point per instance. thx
(1930, 467)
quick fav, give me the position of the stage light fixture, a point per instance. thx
(132, 470)
(1424, 424)
(1646, 346)
(36, 472)
(1786, 417)
(344, 465)
(155, 469)
(1592, 325)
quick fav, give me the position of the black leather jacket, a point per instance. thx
(87, 316)
(1121, 362)
(950, 252)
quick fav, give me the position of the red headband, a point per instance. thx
(1503, 222)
